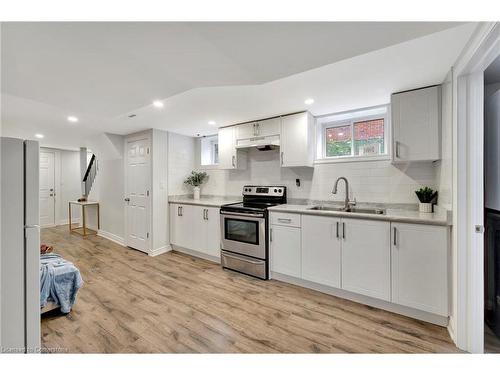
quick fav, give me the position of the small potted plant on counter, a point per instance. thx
(427, 198)
(196, 179)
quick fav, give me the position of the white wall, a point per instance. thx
(182, 153)
(108, 187)
(373, 181)
(70, 187)
(445, 166)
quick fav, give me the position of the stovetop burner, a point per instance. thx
(258, 198)
(250, 206)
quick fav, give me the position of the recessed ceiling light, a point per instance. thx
(309, 101)
(72, 119)
(211, 122)
(40, 136)
(158, 104)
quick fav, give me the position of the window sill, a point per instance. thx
(352, 159)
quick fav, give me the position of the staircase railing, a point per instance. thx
(90, 174)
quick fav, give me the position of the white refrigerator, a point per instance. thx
(20, 246)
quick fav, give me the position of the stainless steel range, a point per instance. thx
(245, 228)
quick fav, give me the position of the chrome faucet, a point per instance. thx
(347, 203)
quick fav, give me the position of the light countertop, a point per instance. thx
(404, 213)
(205, 200)
(392, 214)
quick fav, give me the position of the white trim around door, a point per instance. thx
(468, 209)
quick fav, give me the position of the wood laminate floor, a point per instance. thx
(175, 303)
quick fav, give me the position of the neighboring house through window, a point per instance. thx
(354, 134)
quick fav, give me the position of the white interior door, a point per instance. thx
(47, 189)
(137, 194)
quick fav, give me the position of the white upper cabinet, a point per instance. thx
(416, 124)
(321, 248)
(245, 131)
(263, 128)
(268, 127)
(297, 140)
(366, 257)
(229, 156)
(420, 267)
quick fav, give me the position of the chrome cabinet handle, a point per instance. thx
(281, 220)
(343, 231)
(397, 149)
(395, 242)
(233, 161)
(179, 211)
(337, 225)
(271, 235)
(281, 157)
(254, 131)
(258, 128)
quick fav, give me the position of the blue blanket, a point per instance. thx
(60, 281)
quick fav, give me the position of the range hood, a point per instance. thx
(261, 143)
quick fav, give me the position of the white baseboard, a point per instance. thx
(66, 222)
(160, 250)
(452, 333)
(384, 305)
(110, 236)
(195, 253)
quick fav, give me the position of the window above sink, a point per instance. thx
(354, 135)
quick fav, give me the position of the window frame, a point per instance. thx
(211, 140)
(325, 122)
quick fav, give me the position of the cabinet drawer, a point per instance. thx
(286, 219)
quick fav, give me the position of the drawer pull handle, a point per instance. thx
(281, 220)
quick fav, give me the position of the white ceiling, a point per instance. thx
(227, 72)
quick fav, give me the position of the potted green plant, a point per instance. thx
(427, 198)
(196, 179)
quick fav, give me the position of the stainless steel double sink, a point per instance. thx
(374, 211)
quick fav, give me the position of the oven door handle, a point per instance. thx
(241, 214)
(245, 259)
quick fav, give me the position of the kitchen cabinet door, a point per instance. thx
(229, 156)
(211, 232)
(321, 261)
(245, 131)
(184, 226)
(297, 140)
(420, 267)
(268, 127)
(285, 248)
(416, 123)
(366, 257)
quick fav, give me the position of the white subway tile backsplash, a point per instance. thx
(374, 181)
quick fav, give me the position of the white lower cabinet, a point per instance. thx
(405, 264)
(210, 231)
(321, 250)
(366, 257)
(195, 228)
(420, 267)
(181, 225)
(285, 250)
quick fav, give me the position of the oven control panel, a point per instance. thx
(272, 191)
